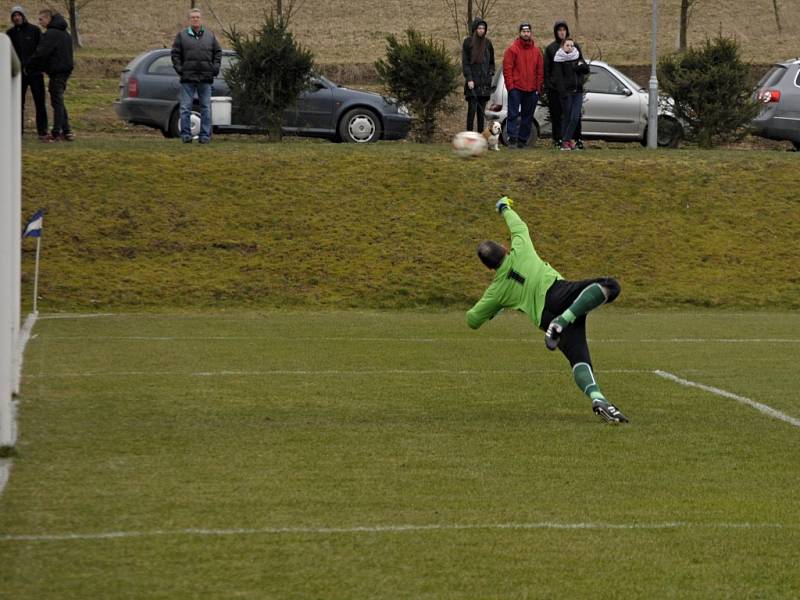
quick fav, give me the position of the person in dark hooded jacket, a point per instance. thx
(25, 38)
(477, 64)
(54, 56)
(560, 33)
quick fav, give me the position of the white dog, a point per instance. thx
(492, 135)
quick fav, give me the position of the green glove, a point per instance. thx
(504, 203)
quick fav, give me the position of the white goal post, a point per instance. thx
(10, 220)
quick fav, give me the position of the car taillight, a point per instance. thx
(133, 87)
(767, 96)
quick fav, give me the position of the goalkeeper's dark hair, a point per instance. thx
(491, 254)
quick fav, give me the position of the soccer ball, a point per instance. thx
(469, 143)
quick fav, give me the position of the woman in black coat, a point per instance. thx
(569, 73)
(477, 63)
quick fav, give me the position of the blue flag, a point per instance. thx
(34, 226)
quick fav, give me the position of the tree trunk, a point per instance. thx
(469, 16)
(576, 11)
(777, 15)
(683, 24)
(73, 24)
(279, 8)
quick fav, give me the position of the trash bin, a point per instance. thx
(221, 110)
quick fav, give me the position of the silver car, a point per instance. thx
(614, 109)
(778, 93)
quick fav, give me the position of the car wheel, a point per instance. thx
(360, 126)
(670, 133)
(174, 129)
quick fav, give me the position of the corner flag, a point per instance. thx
(34, 225)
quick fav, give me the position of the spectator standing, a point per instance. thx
(523, 71)
(477, 63)
(54, 56)
(569, 71)
(560, 33)
(25, 38)
(196, 57)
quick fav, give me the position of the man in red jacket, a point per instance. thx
(523, 71)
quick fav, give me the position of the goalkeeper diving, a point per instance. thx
(525, 282)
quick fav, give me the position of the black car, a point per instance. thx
(149, 92)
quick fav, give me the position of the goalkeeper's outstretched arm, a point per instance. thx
(516, 226)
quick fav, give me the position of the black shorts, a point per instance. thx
(559, 298)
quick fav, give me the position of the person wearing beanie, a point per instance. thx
(25, 38)
(477, 64)
(54, 56)
(523, 71)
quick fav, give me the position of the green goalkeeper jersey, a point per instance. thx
(520, 283)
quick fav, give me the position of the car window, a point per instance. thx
(497, 76)
(797, 78)
(228, 60)
(161, 66)
(773, 76)
(135, 62)
(602, 82)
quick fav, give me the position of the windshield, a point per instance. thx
(627, 80)
(773, 76)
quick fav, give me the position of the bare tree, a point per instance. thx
(577, 15)
(777, 16)
(463, 21)
(286, 9)
(686, 12)
(73, 8)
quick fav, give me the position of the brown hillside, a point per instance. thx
(354, 31)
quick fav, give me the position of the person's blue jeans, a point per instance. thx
(520, 115)
(571, 105)
(203, 91)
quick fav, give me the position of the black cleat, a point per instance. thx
(553, 335)
(608, 412)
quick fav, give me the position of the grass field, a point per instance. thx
(356, 454)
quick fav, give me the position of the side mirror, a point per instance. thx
(627, 92)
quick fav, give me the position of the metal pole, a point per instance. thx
(36, 275)
(652, 103)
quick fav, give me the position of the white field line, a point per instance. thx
(378, 529)
(321, 372)
(420, 340)
(79, 315)
(763, 408)
(5, 473)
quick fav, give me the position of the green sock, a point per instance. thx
(584, 379)
(591, 297)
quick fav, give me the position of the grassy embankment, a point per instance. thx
(144, 224)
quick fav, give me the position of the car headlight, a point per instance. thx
(403, 110)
